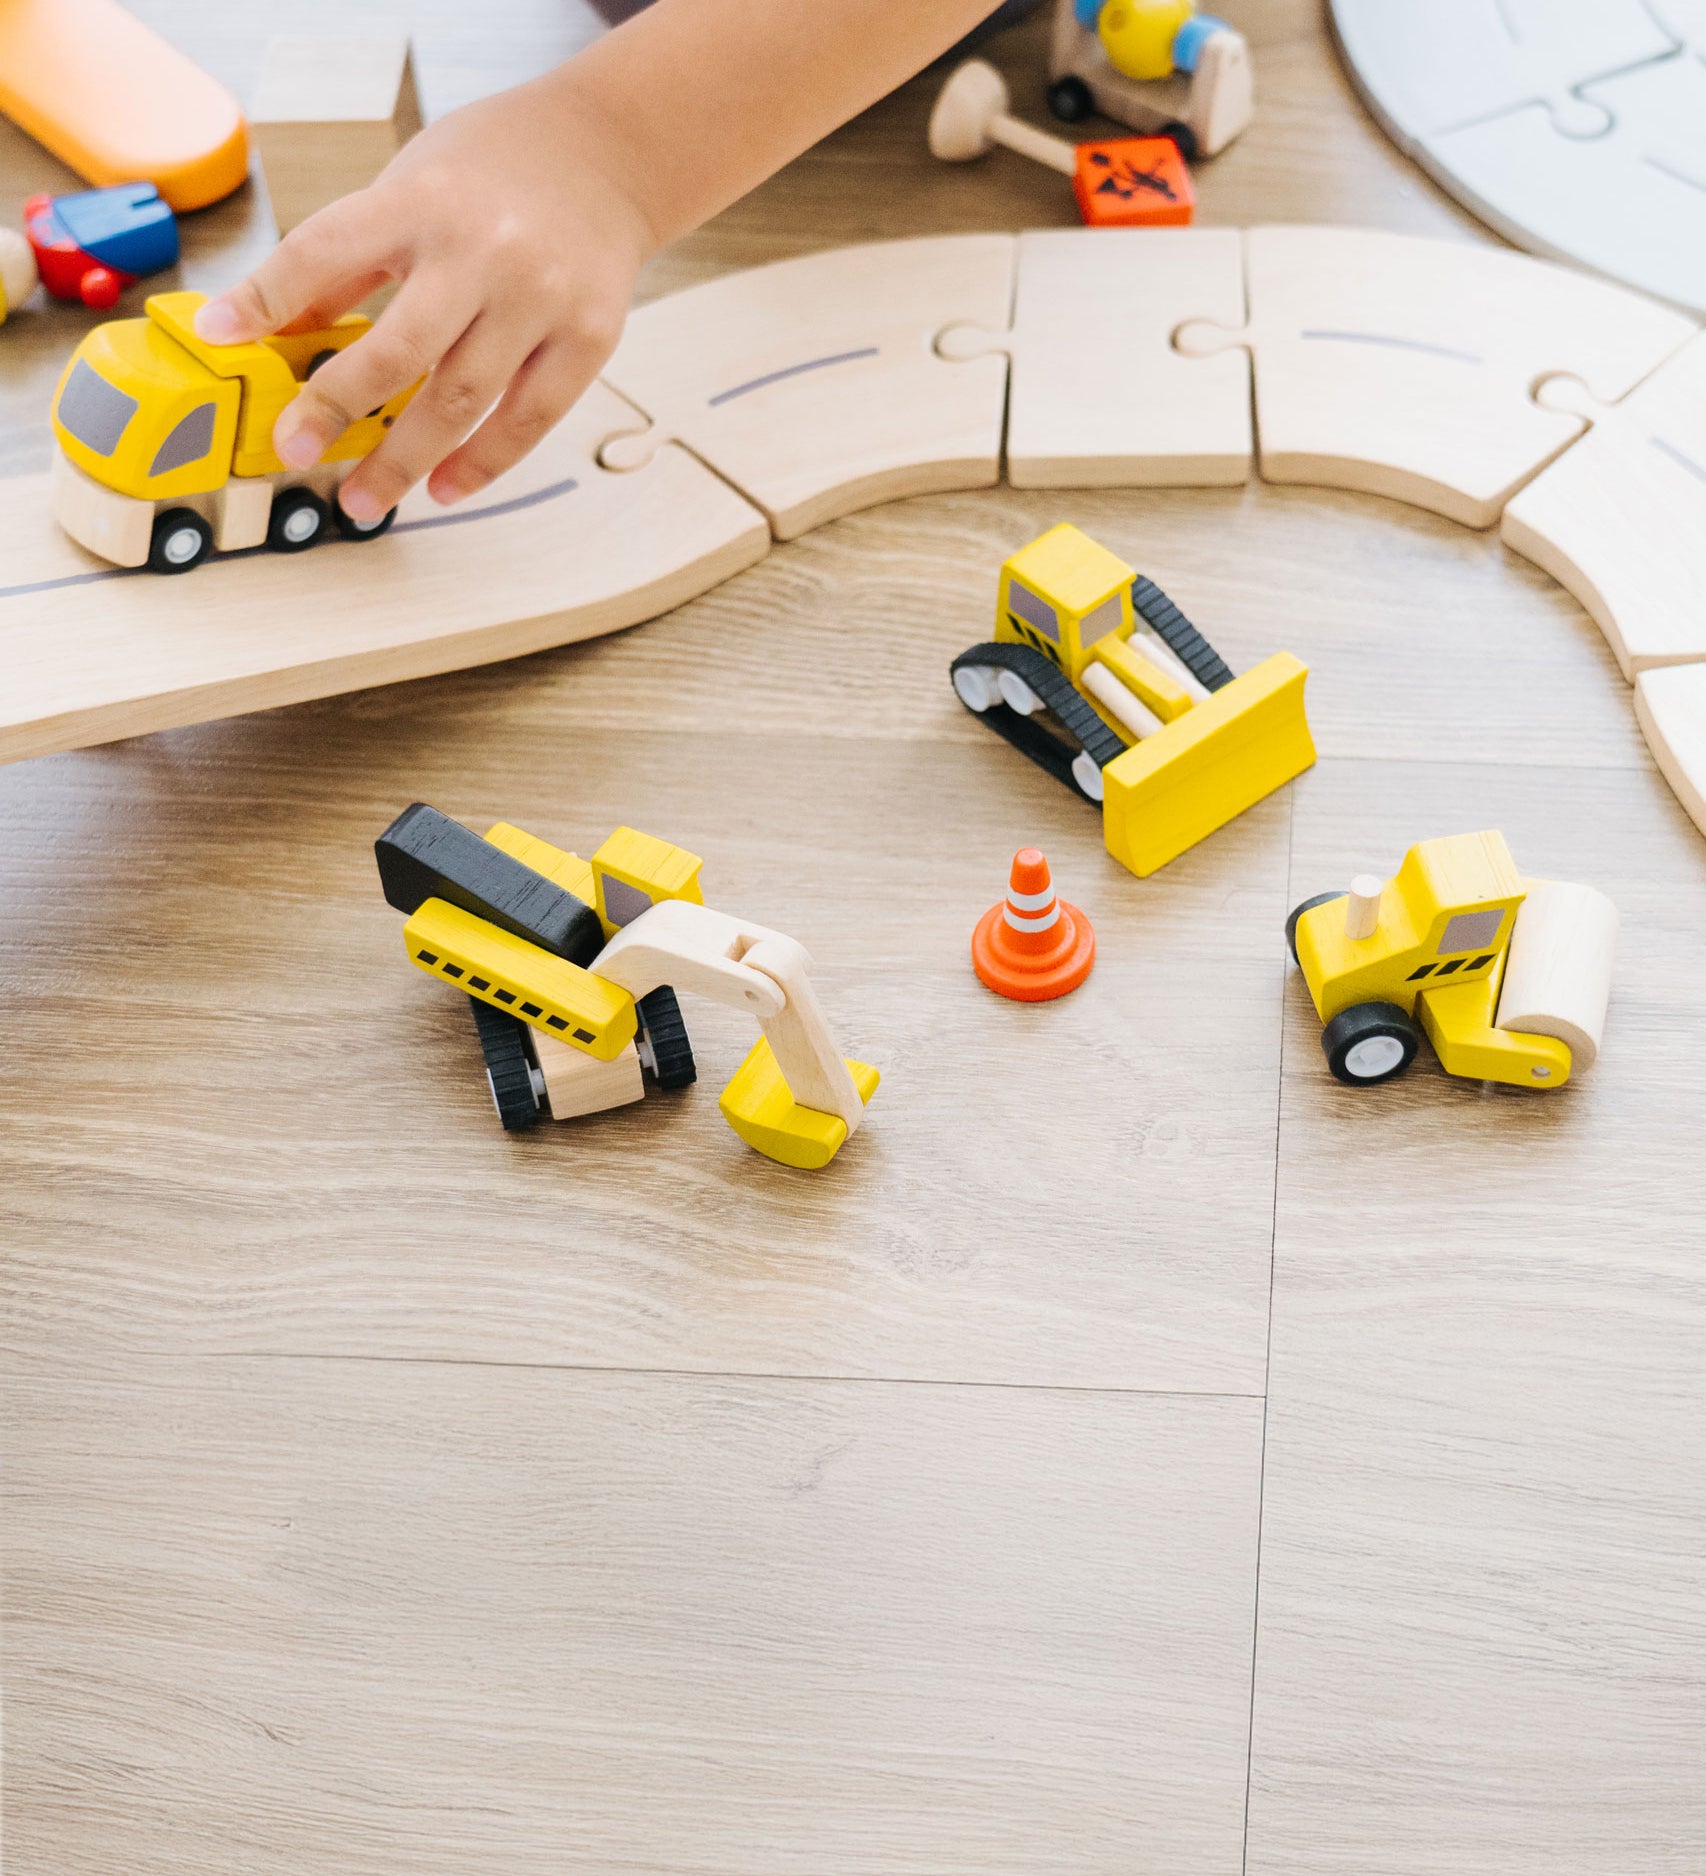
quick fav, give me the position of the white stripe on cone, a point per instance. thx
(1020, 921)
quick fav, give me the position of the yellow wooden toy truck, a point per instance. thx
(1509, 977)
(165, 442)
(1155, 728)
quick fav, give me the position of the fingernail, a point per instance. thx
(216, 322)
(300, 448)
(360, 504)
(447, 490)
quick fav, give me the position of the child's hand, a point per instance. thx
(516, 248)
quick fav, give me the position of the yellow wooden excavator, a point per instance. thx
(573, 966)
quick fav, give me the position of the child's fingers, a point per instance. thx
(329, 307)
(344, 243)
(413, 334)
(464, 384)
(538, 395)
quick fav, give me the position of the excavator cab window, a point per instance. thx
(1037, 613)
(94, 411)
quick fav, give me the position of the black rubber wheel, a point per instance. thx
(181, 540)
(509, 1066)
(1370, 1043)
(1184, 137)
(319, 359)
(1297, 911)
(353, 530)
(298, 520)
(663, 1038)
(1069, 99)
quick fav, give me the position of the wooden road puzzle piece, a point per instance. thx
(556, 550)
(1619, 520)
(1433, 66)
(1670, 706)
(1097, 397)
(1630, 203)
(1403, 367)
(813, 384)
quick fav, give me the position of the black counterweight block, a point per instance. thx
(425, 855)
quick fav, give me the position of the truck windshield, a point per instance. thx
(94, 411)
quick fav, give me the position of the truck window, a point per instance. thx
(94, 411)
(1036, 612)
(1470, 931)
(190, 439)
(1100, 623)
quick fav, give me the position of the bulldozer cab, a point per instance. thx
(1060, 595)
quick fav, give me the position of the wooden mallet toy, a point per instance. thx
(1124, 182)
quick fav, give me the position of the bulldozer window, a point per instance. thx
(1034, 611)
(94, 411)
(1100, 623)
(190, 439)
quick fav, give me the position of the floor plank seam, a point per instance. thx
(1267, 1372)
(701, 1374)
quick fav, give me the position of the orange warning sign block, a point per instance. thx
(1133, 182)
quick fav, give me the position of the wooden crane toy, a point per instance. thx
(1122, 182)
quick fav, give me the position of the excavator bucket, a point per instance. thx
(1172, 789)
(760, 1106)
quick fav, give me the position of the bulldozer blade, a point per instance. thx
(1172, 789)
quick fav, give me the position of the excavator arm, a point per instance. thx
(794, 1099)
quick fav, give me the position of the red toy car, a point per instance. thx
(92, 245)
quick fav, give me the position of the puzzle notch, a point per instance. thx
(1098, 397)
(814, 386)
(1404, 368)
(1619, 519)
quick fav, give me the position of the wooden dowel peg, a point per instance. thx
(1362, 908)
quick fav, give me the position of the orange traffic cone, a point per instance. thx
(1032, 946)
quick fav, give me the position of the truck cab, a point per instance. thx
(165, 441)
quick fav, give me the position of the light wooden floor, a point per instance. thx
(1137, 1456)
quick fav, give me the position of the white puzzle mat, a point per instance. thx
(1576, 128)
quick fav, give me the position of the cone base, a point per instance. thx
(1021, 976)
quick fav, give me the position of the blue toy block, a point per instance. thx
(127, 228)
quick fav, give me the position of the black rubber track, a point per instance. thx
(1177, 633)
(503, 1042)
(660, 1015)
(1069, 709)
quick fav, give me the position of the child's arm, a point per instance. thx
(517, 225)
